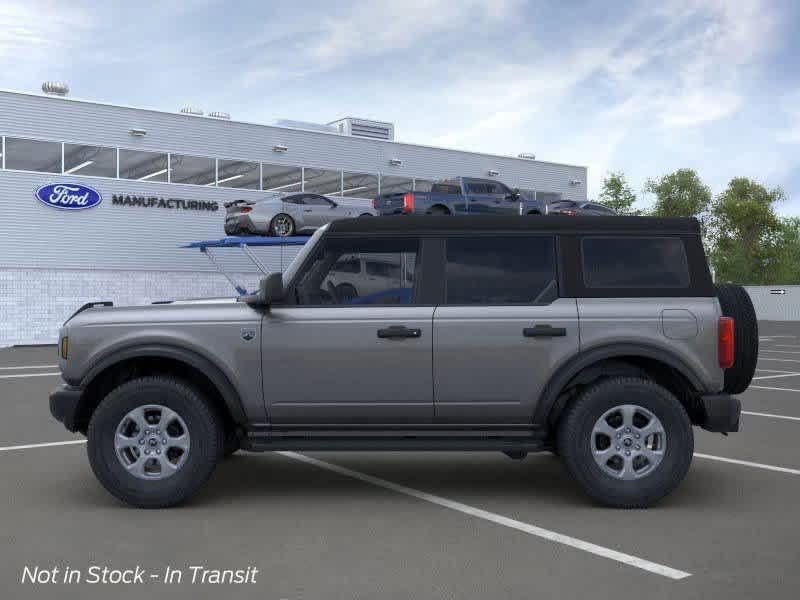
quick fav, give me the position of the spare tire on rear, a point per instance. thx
(735, 303)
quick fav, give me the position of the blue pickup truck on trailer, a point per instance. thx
(460, 196)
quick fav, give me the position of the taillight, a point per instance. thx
(408, 203)
(375, 203)
(246, 209)
(568, 211)
(725, 342)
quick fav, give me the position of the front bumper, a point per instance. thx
(64, 405)
(722, 412)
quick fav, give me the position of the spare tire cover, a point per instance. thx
(735, 303)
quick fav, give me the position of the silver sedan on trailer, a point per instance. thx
(284, 214)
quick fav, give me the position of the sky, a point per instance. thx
(639, 87)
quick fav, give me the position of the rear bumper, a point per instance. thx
(64, 403)
(722, 412)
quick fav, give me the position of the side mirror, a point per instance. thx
(270, 291)
(333, 204)
(515, 195)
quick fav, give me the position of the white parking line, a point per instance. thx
(780, 351)
(785, 346)
(29, 375)
(794, 360)
(634, 561)
(776, 389)
(770, 415)
(44, 445)
(29, 367)
(776, 376)
(773, 371)
(747, 463)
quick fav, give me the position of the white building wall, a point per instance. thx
(52, 261)
(772, 305)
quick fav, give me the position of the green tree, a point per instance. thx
(679, 194)
(750, 242)
(617, 194)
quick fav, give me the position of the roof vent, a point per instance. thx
(55, 88)
(527, 155)
(216, 114)
(376, 130)
(192, 110)
(303, 125)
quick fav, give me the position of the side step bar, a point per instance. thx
(513, 441)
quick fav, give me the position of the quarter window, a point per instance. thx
(335, 277)
(634, 262)
(495, 270)
(33, 155)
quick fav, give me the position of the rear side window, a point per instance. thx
(445, 188)
(500, 270)
(634, 262)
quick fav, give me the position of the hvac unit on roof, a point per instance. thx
(376, 130)
(55, 88)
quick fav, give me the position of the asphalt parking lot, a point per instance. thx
(412, 525)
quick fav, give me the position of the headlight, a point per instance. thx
(64, 347)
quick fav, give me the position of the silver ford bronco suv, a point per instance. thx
(601, 339)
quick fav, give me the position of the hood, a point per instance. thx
(104, 313)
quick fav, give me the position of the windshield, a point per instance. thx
(291, 270)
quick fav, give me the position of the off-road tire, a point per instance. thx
(205, 430)
(736, 303)
(574, 438)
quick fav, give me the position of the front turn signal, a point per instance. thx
(64, 347)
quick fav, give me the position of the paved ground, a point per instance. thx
(404, 525)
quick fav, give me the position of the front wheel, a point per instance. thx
(626, 441)
(154, 441)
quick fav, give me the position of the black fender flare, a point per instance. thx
(584, 360)
(230, 395)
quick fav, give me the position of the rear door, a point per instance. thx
(478, 200)
(501, 329)
(501, 200)
(352, 347)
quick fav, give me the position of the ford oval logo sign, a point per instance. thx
(68, 196)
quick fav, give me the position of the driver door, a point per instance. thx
(349, 349)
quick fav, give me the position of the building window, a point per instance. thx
(423, 185)
(195, 170)
(144, 166)
(280, 178)
(323, 181)
(90, 160)
(33, 155)
(238, 174)
(360, 185)
(396, 185)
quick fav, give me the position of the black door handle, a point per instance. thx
(544, 331)
(396, 332)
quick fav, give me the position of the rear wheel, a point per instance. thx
(626, 441)
(736, 303)
(154, 441)
(282, 225)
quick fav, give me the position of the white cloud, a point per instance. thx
(33, 33)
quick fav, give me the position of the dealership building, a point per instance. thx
(161, 179)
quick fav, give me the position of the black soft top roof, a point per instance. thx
(556, 223)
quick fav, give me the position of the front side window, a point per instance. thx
(634, 262)
(33, 155)
(500, 270)
(335, 277)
